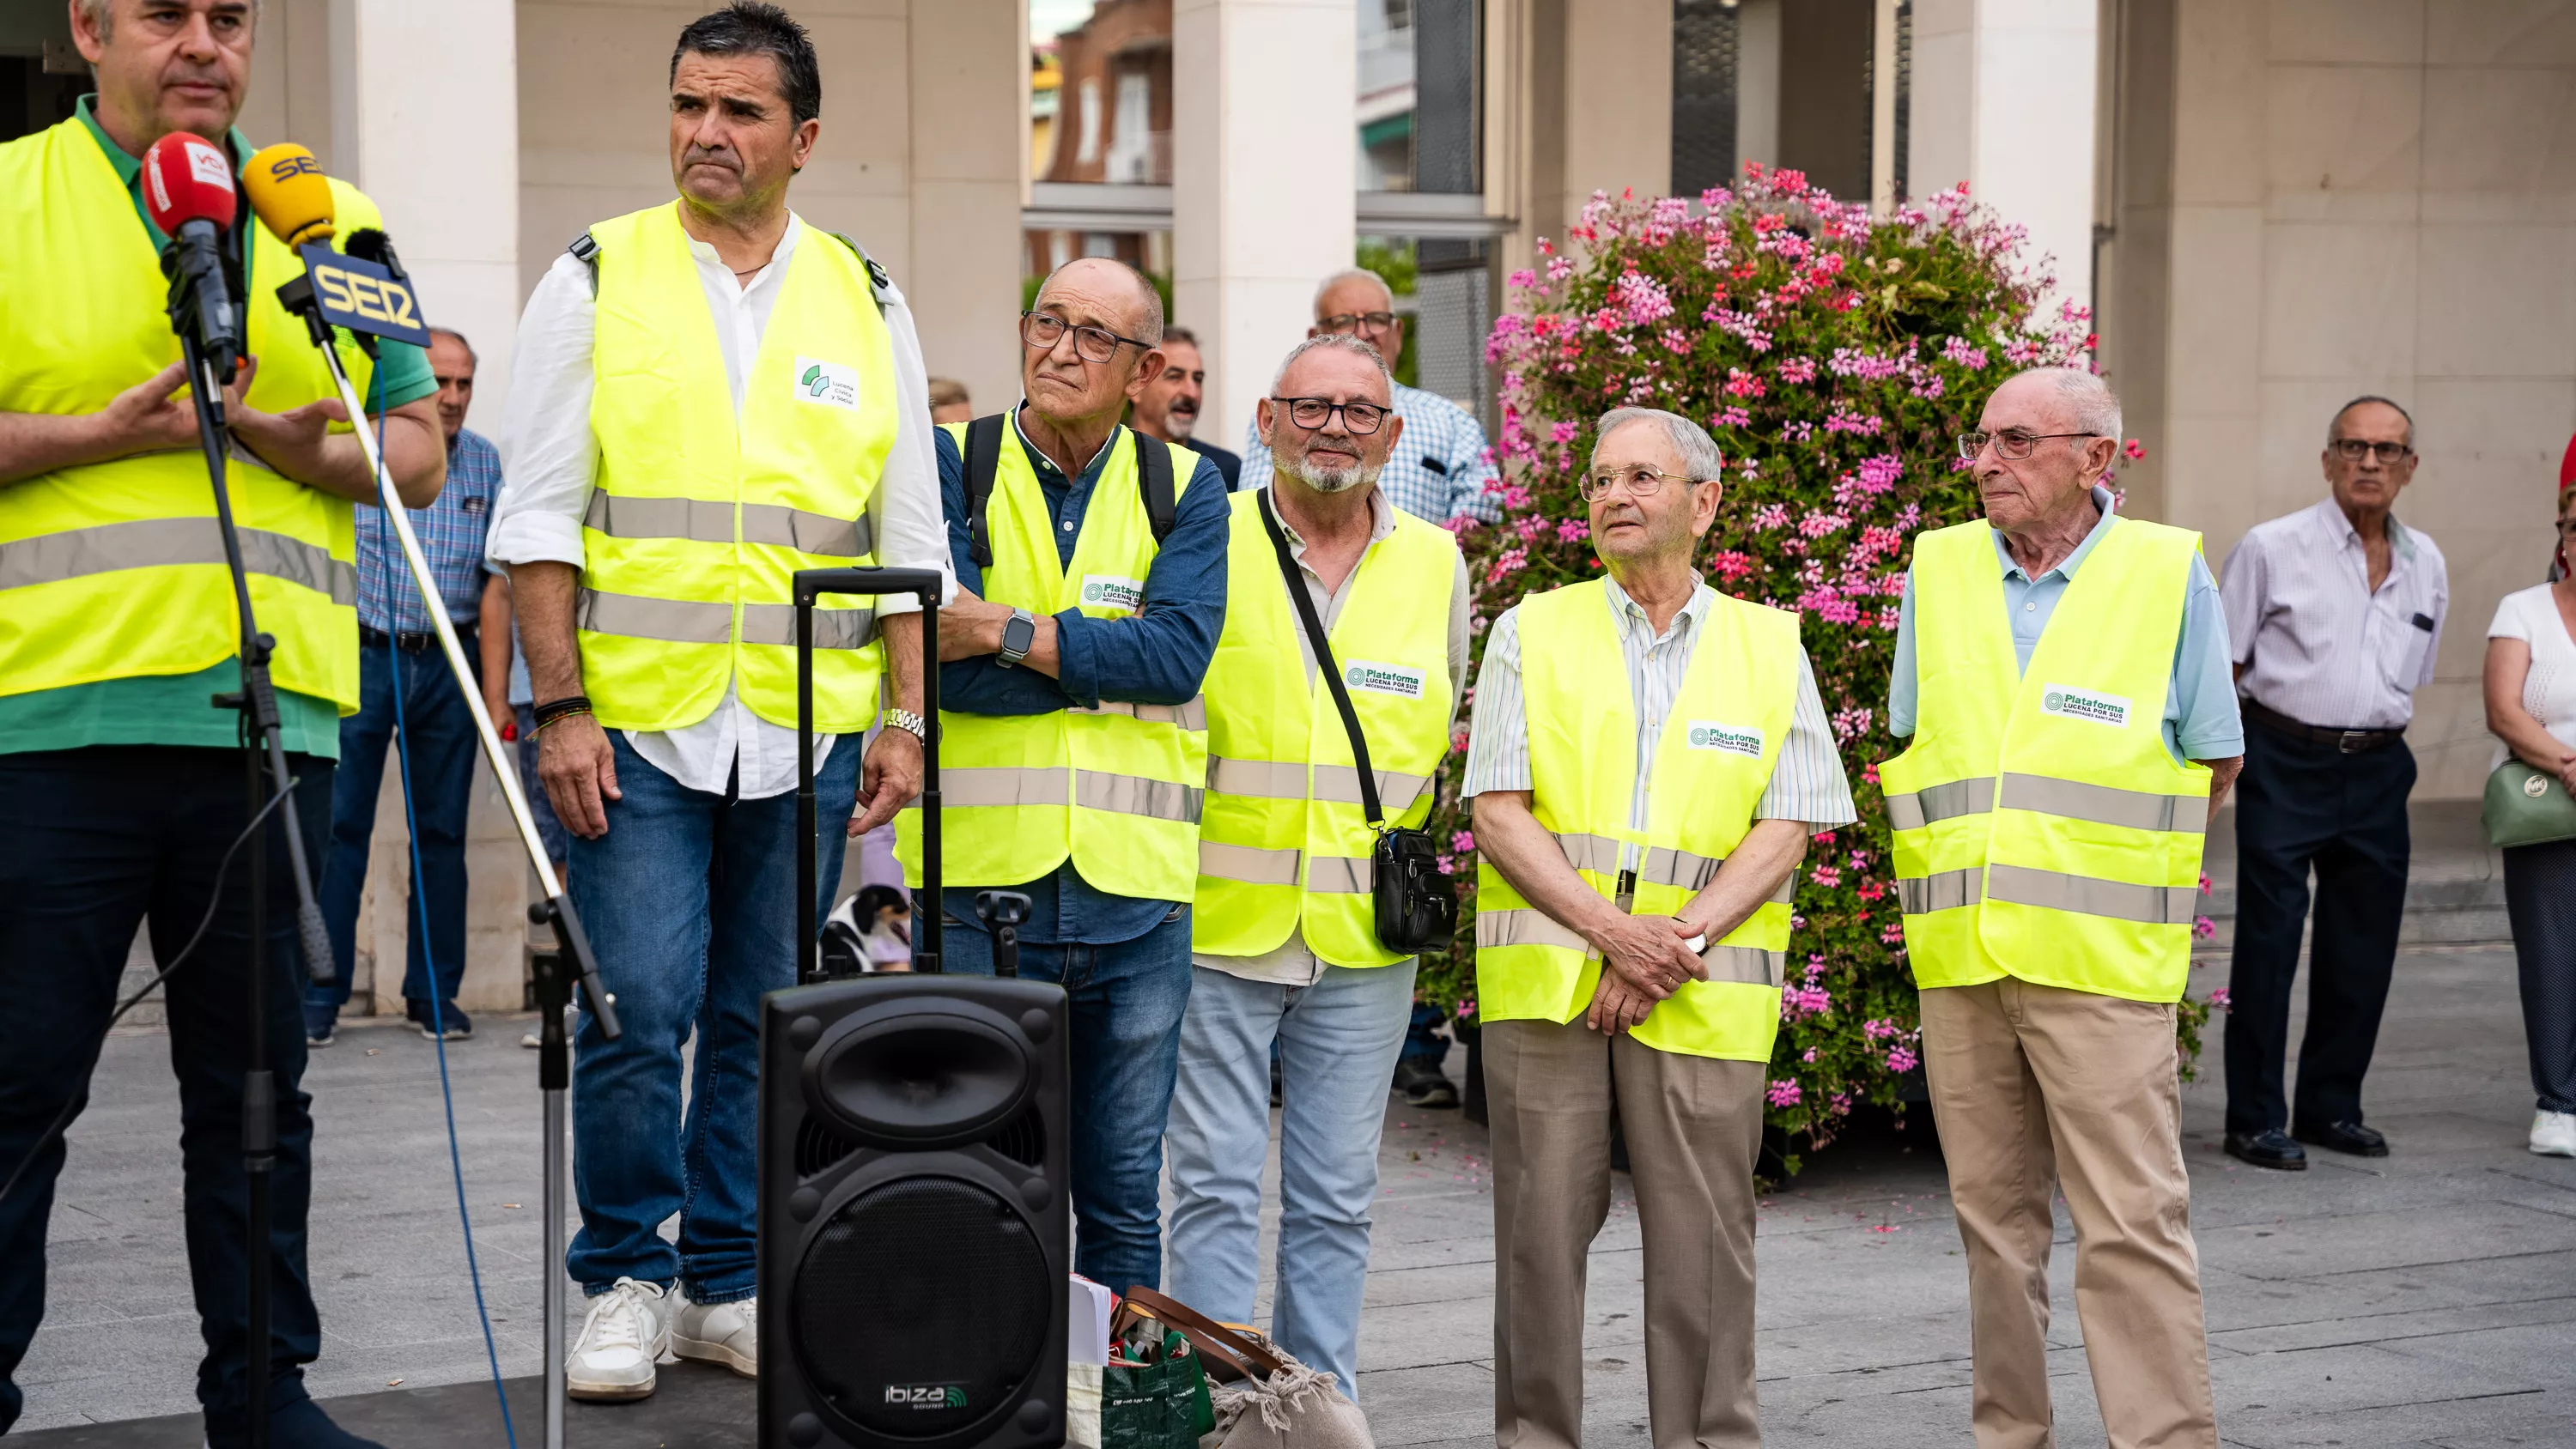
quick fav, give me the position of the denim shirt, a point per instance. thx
(1159, 655)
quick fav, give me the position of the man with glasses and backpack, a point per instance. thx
(1091, 590)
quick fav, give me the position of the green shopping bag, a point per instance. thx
(1159, 1402)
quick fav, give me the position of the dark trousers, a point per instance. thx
(442, 747)
(2302, 805)
(2540, 900)
(92, 843)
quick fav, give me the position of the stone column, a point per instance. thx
(2003, 98)
(969, 84)
(1264, 159)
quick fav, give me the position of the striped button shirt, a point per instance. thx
(1807, 781)
(451, 534)
(2317, 644)
(1438, 470)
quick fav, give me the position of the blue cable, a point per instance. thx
(429, 965)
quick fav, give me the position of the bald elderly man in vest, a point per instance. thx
(1648, 759)
(2073, 730)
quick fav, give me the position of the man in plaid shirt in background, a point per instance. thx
(398, 650)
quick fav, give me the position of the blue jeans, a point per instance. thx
(93, 843)
(442, 749)
(1338, 1041)
(1126, 1003)
(1422, 1040)
(690, 902)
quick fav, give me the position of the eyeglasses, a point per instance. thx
(2012, 444)
(2567, 525)
(1642, 481)
(2353, 450)
(1042, 330)
(1353, 321)
(1312, 413)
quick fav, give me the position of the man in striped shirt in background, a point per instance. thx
(2336, 616)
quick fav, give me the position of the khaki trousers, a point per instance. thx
(1694, 1127)
(2035, 1087)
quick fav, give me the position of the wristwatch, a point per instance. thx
(906, 721)
(1018, 637)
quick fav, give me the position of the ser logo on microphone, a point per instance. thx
(299, 164)
(358, 294)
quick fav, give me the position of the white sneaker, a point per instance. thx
(2553, 1134)
(627, 1331)
(721, 1333)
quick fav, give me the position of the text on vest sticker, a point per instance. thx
(1108, 591)
(1734, 739)
(1392, 679)
(828, 383)
(2068, 702)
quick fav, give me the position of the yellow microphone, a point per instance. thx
(290, 193)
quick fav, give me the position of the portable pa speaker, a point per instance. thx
(913, 1224)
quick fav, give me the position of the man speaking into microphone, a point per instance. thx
(121, 785)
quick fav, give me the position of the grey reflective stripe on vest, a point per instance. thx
(1001, 786)
(833, 628)
(1395, 792)
(2106, 805)
(1340, 875)
(1664, 865)
(2089, 896)
(1526, 927)
(1749, 964)
(1189, 715)
(676, 621)
(1257, 779)
(157, 542)
(1248, 864)
(706, 522)
(1598, 854)
(1136, 795)
(1949, 890)
(1940, 802)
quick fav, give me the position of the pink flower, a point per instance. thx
(1463, 841)
(1900, 1060)
(1826, 876)
(2219, 999)
(2202, 928)
(2134, 449)
(1783, 1094)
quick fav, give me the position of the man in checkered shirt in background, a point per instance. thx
(398, 650)
(1438, 471)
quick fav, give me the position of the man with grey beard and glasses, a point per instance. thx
(1284, 946)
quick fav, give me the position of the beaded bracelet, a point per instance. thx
(559, 709)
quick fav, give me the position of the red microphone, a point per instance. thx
(188, 192)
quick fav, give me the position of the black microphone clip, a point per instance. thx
(201, 303)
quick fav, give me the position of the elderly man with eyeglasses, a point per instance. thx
(1648, 759)
(2072, 734)
(2336, 612)
(1091, 573)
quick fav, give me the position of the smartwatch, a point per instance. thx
(1019, 636)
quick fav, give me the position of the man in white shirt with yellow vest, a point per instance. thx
(120, 785)
(1648, 759)
(1284, 946)
(741, 397)
(2073, 731)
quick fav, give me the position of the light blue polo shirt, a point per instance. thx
(2200, 720)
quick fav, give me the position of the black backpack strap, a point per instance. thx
(585, 250)
(1154, 481)
(983, 459)
(878, 281)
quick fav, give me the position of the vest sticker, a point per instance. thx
(1733, 739)
(2068, 702)
(828, 383)
(207, 166)
(1108, 591)
(1393, 679)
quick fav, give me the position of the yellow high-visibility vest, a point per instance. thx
(116, 570)
(701, 518)
(2042, 829)
(1710, 767)
(1285, 843)
(1117, 789)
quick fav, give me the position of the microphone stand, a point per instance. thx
(572, 944)
(261, 743)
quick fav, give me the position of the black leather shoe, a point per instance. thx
(2270, 1147)
(1425, 1085)
(2349, 1137)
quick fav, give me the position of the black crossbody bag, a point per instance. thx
(1417, 907)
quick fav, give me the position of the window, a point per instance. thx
(1087, 116)
(1418, 66)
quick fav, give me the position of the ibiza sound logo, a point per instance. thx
(926, 1396)
(2067, 702)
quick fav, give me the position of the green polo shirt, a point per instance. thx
(177, 709)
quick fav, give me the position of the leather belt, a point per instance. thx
(2349, 742)
(409, 641)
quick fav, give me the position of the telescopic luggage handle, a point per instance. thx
(922, 584)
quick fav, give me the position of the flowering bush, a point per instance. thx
(1834, 356)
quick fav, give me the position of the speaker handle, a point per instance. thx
(1002, 912)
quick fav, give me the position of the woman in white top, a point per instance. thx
(2531, 708)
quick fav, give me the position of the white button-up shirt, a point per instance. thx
(552, 461)
(2317, 642)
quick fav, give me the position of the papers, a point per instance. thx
(1086, 1329)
